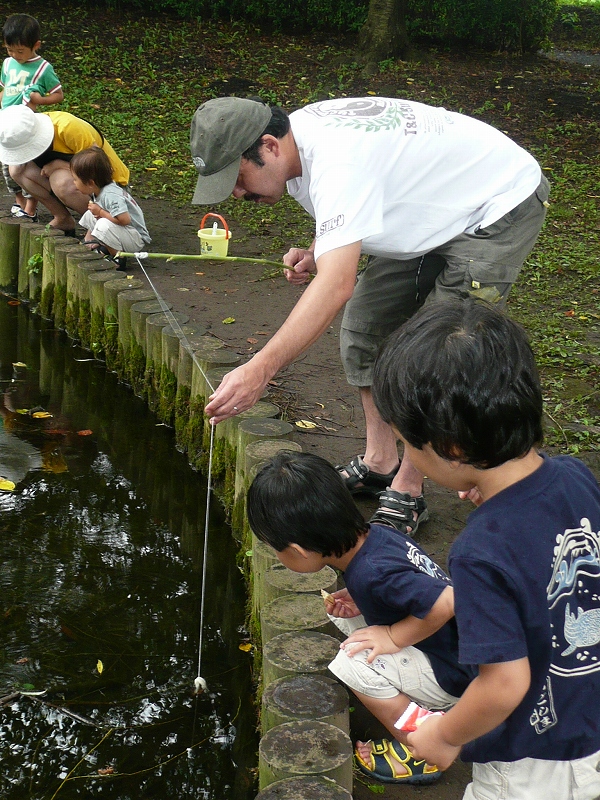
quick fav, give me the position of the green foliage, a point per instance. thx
(493, 24)
(34, 264)
(341, 15)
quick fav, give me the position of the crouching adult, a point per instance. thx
(38, 149)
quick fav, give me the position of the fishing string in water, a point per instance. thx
(199, 682)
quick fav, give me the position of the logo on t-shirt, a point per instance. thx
(330, 225)
(574, 598)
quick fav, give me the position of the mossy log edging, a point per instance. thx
(121, 320)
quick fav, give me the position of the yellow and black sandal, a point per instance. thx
(380, 767)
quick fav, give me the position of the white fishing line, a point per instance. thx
(199, 682)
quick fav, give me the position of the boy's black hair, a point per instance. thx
(21, 29)
(92, 164)
(461, 376)
(278, 126)
(300, 498)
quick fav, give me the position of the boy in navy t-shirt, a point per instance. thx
(459, 384)
(299, 505)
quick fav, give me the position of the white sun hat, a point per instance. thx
(24, 135)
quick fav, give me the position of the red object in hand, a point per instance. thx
(413, 717)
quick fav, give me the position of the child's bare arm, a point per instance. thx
(120, 219)
(37, 99)
(410, 630)
(488, 700)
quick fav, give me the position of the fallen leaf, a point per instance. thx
(6, 485)
(41, 415)
(228, 320)
(263, 333)
(250, 340)
(14, 302)
(570, 313)
(22, 660)
(19, 364)
(106, 771)
(100, 667)
(183, 289)
(199, 273)
(305, 424)
(245, 647)
(84, 433)
(96, 105)
(22, 411)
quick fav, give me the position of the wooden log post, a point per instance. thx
(249, 431)
(135, 363)
(184, 384)
(155, 323)
(36, 264)
(27, 246)
(294, 612)
(84, 321)
(74, 259)
(281, 581)
(112, 292)
(9, 254)
(169, 367)
(96, 284)
(306, 788)
(62, 247)
(298, 697)
(226, 441)
(124, 301)
(204, 361)
(49, 270)
(305, 748)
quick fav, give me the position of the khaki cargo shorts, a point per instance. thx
(485, 263)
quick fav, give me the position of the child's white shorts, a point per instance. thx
(535, 779)
(408, 671)
(118, 237)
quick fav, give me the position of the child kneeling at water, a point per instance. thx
(114, 221)
(299, 505)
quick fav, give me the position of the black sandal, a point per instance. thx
(362, 480)
(98, 247)
(397, 510)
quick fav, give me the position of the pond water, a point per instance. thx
(100, 577)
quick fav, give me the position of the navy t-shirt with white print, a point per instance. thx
(526, 575)
(390, 578)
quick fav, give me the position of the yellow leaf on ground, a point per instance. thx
(228, 320)
(305, 424)
(41, 414)
(19, 364)
(6, 485)
(245, 647)
(100, 667)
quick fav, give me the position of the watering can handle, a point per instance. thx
(218, 216)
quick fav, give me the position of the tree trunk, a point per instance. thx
(384, 33)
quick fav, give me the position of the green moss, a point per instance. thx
(111, 341)
(83, 323)
(167, 395)
(150, 385)
(60, 305)
(97, 332)
(135, 367)
(46, 301)
(72, 315)
(195, 433)
(182, 417)
(229, 457)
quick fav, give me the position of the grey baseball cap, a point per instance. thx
(221, 131)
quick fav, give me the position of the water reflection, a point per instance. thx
(100, 553)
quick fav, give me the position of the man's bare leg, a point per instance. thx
(30, 177)
(381, 453)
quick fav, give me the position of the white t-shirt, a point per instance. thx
(403, 177)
